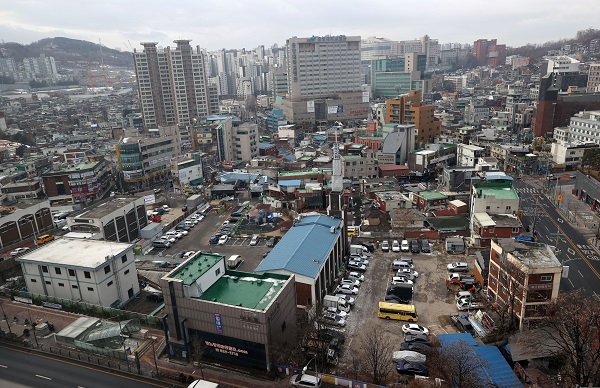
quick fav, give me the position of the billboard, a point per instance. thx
(233, 350)
(365, 97)
(310, 106)
(332, 109)
(149, 199)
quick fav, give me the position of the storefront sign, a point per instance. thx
(218, 323)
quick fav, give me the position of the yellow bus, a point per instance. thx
(353, 231)
(401, 312)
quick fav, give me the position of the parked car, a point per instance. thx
(356, 276)
(333, 319)
(254, 241)
(421, 338)
(187, 255)
(408, 272)
(155, 297)
(396, 299)
(413, 328)
(359, 259)
(351, 282)
(223, 239)
(166, 209)
(18, 251)
(425, 246)
(395, 246)
(404, 247)
(458, 267)
(168, 238)
(270, 242)
(339, 313)
(385, 246)
(184, 209)
(161, 244)
(347, 289)
(44, 238)
(356, 266)
(415, 346)
(307, 381)
(350, 300)
(414, 246)
(401, 280)
(408, 355)
(175, 234)
(411, 368)
(215, 239)
(181, 230)
(369, 246)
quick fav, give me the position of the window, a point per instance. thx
(48, 282)
(57, 270)
(508, 208)
(107, 269)
(33, 281)
(61, 284)
(109, 284)
(504, 276)
(74, 286)
(87, 275)
(487, 208)
(71, 272)
(44, 268)
(90, 289)
(124, 259)
(126, 272)
(217, 271)
(283, 327)
(491, 230)
(547, 278)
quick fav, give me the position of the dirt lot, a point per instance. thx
(433, 302)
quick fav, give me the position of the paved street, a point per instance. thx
(551, 227)
(23, 369)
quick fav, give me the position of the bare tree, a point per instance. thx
(461, 367)
(376, 354)
(570, 330)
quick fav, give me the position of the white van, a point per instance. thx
(399, 264)
(462, 294)
(234, 261)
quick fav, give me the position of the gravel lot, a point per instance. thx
(433, 302)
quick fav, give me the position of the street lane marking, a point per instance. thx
(571, 251)
(572, 285)
(580, 273)
(3, 366)
(43, 377)
(560, 220)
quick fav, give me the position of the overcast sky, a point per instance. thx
(247, 24)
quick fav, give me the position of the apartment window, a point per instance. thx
(491, 230)
(44, 268)
(109, 284)
(283, 326)
(90, 289)
(57, 270)
(33, 281)
(74, 286)
(48, 282)
(87, 274)
(487, 208)
(508, 208)
(515, 230)
(217, 271)
(547, 278)
(126, 272)
(71, 272)
(124, 259)
(107, 269)
(61, 284)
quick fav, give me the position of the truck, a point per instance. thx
(337, 302)
(234, 261)
(359, 249)
(325, 351)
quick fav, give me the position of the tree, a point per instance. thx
(376, 354)
(460, 365)
(571, 332)
(591, 159)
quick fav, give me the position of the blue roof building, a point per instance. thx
(312, 250)
(497, 370)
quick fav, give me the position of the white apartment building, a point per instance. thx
(570, 154)
(172, 84)
(430, 47)
(593, 84)
(562, 65)
(92, 271)
(476, 112)
(583, 128)
(374, 47)
(236, 142)
(186, 169)
(468, 155)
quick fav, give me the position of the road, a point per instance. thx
(550, 227)
(23, 369)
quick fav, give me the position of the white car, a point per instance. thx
(182, 231)
(404, 247)
(458, 267)
(408, 355)
(401, 280)
(385, 246)
(174, 234)
(350, 300)
(170, 239)
(395, 246)
(341, 314)
(356, 276)
(347, 289)
(333, 319)
(223, 239)
(351, 282)
(188, 254)
(18, 251)
(166, 208)
(413, 328)
(254, 241)
(360, 260)
(407, 272)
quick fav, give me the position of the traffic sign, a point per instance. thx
(559, 197)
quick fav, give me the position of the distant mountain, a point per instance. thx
(537, 51)
(67, 52)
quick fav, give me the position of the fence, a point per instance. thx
(326, 378)
(90, 309)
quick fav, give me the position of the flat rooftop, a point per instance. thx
(249, 290)
(531, 254)
(104, 208)
(497, 189)
(194, 268)
(284, 174)
(81, 253)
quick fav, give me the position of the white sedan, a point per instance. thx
(347, 289)
(351, 282)
(224, 238)
(170, 239)
(18, 251)
(395, 246)
(413, 328)
(174, 234)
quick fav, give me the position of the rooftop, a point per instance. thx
(305, 247)
(497, 189)
(532, 255)
(249, 290)
(431, 195)
(194, 268)
(104, 208)
(285, 174)
(69, 252)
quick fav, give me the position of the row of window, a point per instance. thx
(86, 274)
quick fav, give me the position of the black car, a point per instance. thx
(236, 214)
(155, 297)
(369, 246)
(415, 347)
(215, 239)
(412, 368)
(414, 246)
(184, 209)
(425, 246)
(271, 242)
(396, 299)
(420, 338)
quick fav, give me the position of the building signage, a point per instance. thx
(326, 38)
(310, 106)
(218, 323)
(332, 109)
(540, 286)
(149, 199)
(365, 97)
(225, 349)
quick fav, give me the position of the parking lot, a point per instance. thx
(433, 302)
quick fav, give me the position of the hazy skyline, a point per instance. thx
(248, 24)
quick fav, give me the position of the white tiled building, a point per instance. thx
(583, 128)
(97, 272)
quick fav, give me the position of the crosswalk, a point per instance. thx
(528, 190)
